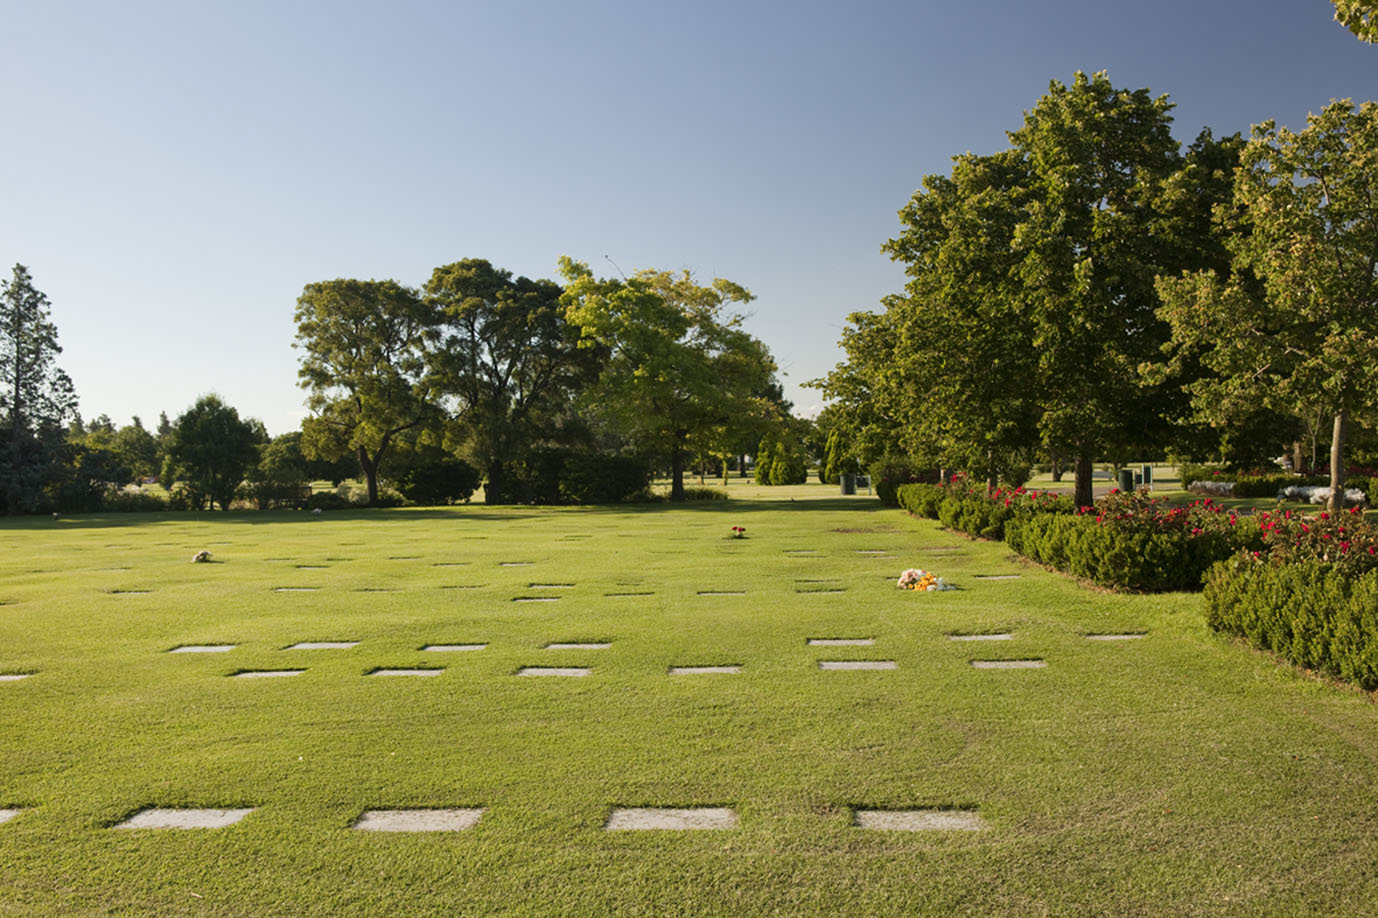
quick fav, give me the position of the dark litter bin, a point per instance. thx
(848, 483)
(1127, 480)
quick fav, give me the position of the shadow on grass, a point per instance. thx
(466, 513)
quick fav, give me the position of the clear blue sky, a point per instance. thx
(173, 173)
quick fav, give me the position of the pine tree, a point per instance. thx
(36, 397)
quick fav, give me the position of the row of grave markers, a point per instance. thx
(619, 819)
(727, 669)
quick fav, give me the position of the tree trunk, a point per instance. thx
(677, 474)
(1056, 464)
(1082, 495)
(370, 470)
(741, 466)
(724, 471)
(495, 485)
(1337, 463)
(1296, 457)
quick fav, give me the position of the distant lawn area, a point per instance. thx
(1162, 771)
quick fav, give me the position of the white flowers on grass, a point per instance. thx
(1319, 494)
(316, 511)
(200, 557)
(1213, 488)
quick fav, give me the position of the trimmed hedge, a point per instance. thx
(1309, 612)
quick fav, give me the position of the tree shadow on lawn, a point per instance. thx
(465, 513)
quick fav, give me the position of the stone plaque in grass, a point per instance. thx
(579, 645)
(322, 645)
(203, 648)
(857, 664)
(1125, 636)
(554, 671)
(997, 576)
(266, 673)
(550, 586)
(426, 671)
(183, 819)
(730, 670)
(294, 589)
(841, 642)
(7, 814)
(418, 820)
(14, 677)
(938, 820)
(674, 820)
(722, 592)
(1009, 664)
(535, 599)
(452, 648)
(992, 636)
(515, 563)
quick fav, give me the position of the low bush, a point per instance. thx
(888, 473)
(327, 500)
(1310, 612)
(445, 481)
(1270, 485)
(695, 493)
(976, 510)
(127, 501)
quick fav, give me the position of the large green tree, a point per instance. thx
(363, 364)
(678, 366)
(210, 450)
(36, 397)
(506, 359)
(1097, 157)
(1294, 323)
(1360, 17)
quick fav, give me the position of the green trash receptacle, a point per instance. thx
(1127, 480)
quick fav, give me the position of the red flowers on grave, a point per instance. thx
(738, 532)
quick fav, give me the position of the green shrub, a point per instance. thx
(1309, 612)
(1270, 485)
(327, 500)
(122, 501)
(1192, 471)
(704, 494)
(445, 481)
(920, 499)
(891, 471)
(595, 478)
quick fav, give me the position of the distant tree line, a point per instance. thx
(539, 392)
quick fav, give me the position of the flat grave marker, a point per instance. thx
(155, 818)
(322, 645)
(203, 648)
(453, 820)
(919, 820)
(730, 670)
(7, 814)
(1009, 664)
(452, 648)
(841, 642)
(14, 677)
(857, 664)
(266, 673)
(578, 645)
(674, 820)
(993, 636)
(421, 671)
(554, 671)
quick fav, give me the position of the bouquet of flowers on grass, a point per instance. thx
(923, 581)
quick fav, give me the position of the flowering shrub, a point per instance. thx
(1129, 541)
(976, 510)
(1213, 487)
(1320, 494)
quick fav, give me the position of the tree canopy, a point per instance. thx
(678, 369)
(210, 450)
(364, 367)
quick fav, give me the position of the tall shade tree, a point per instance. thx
(1360, 17)
(1097, 156)
(678, 369)
(507, 360)
(36, 397)
(964, 359)
(210, 450)
(1295, 322)
(363, 364)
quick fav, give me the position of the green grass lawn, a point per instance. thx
(1176, 774)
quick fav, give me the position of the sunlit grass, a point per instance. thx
(1175, 774)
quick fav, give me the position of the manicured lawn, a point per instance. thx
(1178, 773)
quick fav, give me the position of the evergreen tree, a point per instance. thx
(36, 397)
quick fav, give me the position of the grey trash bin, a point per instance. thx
(1127, 480)
(848, 483)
